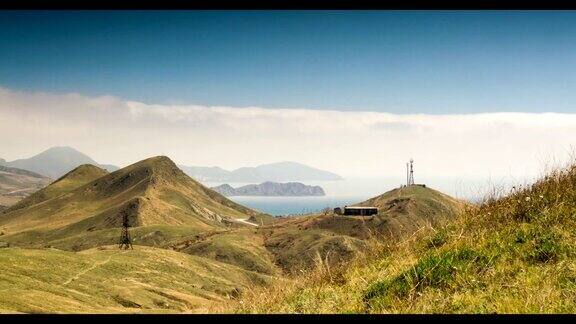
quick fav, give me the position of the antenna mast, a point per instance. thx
(410, 173)
(125, 241)
(407, 175)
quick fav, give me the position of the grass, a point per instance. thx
(439, 270)
(241, 247)
(297, 250)
(154, 235)
(512, 253)
(108, 280)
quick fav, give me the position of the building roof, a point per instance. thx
(361, 207)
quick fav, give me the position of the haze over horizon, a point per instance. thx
(469, 95)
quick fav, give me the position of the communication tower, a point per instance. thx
(410, 173)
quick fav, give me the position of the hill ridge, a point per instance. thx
(152, 192)
(73, 179)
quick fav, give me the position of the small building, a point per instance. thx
(356, 211)
(416, 184)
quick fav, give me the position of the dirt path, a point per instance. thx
(19, 190)
(245, 221)
(94, 266)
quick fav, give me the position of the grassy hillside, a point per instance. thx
(242, 247)
(299, 243)
(511, 254)
(152, 192)
(108, 280)
(68, 182)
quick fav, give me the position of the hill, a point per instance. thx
(269, 188)
(108, 280)
(16, 184)
(277, 172)
(297, 243)
(404, 210)
(192, 246)
(161, 202)
(68, 182)
(55, 162)
(511, 254)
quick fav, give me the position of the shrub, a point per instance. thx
(438, 239)
(546, 247)
(438, 270)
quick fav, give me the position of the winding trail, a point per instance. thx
(18, 190)
(245, 221)
(94, 266)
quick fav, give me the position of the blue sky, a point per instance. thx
(431, 62)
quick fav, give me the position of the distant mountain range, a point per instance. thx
(271, 189)
(55, 162)
(276, 172)
(16, 184)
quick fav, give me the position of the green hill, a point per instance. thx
(510, 254)
(154, 194)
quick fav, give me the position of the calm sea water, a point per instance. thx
(296, 205)
(341, 193)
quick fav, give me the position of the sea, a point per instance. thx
(339, 193)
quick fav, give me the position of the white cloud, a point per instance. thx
(116, 131)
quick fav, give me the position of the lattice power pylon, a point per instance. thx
(125, 241)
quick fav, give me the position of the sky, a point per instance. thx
(468, 94)
(433, 62)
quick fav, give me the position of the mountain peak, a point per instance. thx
(62, 148)
(53, 162)
(160, 162)
(66, 151)
(154, 170)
